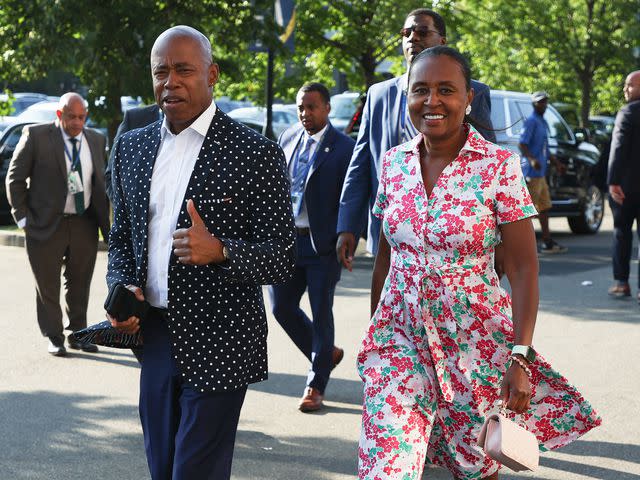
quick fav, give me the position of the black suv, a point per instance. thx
(573, 195)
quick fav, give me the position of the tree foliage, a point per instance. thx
(578, 50)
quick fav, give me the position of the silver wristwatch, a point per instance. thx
(526, 351)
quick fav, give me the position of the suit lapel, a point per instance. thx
(146, 161)
(207, 158)
(57, 147)
(324, 149)
(395, 102)
(95, 154)
(290, 148)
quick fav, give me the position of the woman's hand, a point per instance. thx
(516, 390)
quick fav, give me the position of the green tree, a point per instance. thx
(105, 44)
(575, 49)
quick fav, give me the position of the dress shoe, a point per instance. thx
(84, 346)
(56, 347)
(311, 401)
(336, 357)
(620, 290)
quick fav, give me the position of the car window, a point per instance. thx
(14, 137)
(557, 129)
(498, 119)
(343, 107)
(518, 113)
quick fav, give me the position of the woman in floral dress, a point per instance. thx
(437, 359)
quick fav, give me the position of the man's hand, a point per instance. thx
(617, 195)
(132, 324)
(345, 249)
(535, 163)
(516, 390)
(195, 245)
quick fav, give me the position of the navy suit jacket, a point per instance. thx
(324, 182)
(379, 132)
(624, 156)
(240, 187)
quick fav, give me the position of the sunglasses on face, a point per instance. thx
(420, 30)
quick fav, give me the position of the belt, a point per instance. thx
(69, 215)
(303, 230)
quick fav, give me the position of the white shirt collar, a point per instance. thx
(200, 125)
(316, 136)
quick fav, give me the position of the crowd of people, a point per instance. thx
(206, 211)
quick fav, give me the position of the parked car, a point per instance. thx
(574, 194)
(602, 127)
(23, 100)
(346, 111)
(227, 105)
(255, 117)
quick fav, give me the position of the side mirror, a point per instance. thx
(582, 135)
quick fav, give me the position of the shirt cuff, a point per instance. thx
(22, 222)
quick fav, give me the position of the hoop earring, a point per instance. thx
(468, 110)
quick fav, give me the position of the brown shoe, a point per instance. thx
(336, 357)
(620, 291)
(311, 401)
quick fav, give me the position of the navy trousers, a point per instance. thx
(318, 275)
(623, 218)
(188, 435)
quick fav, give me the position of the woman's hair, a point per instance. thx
(460, 59)
(449, 52)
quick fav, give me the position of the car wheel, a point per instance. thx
(590, 219)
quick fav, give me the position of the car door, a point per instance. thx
(8, 141)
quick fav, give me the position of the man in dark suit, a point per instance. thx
(385, 124)
(137, 117)
(624, 184)
(202, 219)
(55, 186)
(317, 155)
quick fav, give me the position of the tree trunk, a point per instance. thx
(368, 64)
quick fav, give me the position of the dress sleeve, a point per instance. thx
(512, 200)
(382, 201)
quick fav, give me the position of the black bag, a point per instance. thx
(121, 303)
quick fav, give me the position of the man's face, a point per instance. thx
(541, 106)
(632, 87)
(313, 111)
(72, 117)
(182, 80)
(424, 35)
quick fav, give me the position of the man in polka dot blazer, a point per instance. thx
(318, 156)
(202, 219)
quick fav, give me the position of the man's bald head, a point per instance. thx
(632, 87)
(72, 113)
(187, 32)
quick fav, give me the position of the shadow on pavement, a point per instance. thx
(312, 457)
(339, 390)
(47, 435)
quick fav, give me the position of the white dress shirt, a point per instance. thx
(87, 169)
(177, 156)
(302, 220)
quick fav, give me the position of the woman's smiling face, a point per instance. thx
(437, 96)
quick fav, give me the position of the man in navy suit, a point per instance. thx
(202, 219)
(385, 124)
(317, 155)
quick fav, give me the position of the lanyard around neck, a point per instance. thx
(74, 161)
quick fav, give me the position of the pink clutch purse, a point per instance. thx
(508, 443)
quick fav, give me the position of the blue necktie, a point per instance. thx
(78, 197)
(301, 170)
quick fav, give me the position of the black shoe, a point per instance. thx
(56, 347)
(84, 346)
(551, 246)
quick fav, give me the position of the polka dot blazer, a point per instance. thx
(216, 314)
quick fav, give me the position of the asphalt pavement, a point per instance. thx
(76, 417)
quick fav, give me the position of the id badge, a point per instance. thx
(74, 182)
(296, 201)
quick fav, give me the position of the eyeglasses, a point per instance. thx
(420, 30)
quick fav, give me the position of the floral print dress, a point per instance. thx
(439, 342)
